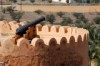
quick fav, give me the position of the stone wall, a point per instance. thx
(57, 46)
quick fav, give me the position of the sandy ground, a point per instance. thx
(58, 8)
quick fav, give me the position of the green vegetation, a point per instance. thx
(88, 1)
(43, 0)
(97, 20)
(32, 1)
(17, 16)
(9, 9)
(38, 11)
(98, 13)
(60, 14)
(2, 17)
(66, 21)
(50, 1)
(50, 18)
(79, 15)
(14, 1)
(4, 10)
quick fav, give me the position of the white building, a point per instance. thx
(62, 1)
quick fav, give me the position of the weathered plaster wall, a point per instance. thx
(57, 45)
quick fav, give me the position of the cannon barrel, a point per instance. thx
(22, 30)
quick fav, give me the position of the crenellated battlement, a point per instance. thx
(7, 47)
(57, 45)
(61, 31)
(9, 27)
(49, 36)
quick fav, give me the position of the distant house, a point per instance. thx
(62, 1)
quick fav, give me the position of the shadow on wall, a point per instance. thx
(58, 46)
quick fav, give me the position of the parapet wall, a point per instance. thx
(55, 34)
(58, 31)
(57, 45)
(9, 27)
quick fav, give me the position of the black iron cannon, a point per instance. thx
(22, 30)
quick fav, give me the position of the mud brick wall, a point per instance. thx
(57, 46)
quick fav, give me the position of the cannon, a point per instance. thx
(22, 30)
(27, 31)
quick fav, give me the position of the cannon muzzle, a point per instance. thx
(22, 30)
